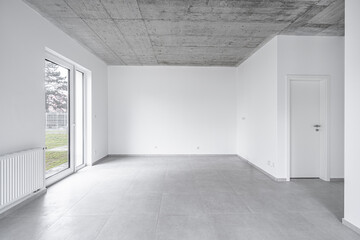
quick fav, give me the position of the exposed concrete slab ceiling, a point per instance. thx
(187, 32)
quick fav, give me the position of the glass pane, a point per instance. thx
(79, 118)
(57, 118)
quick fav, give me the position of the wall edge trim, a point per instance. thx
(169, 155)
(351, 226)
(336, 179)
(264, 172)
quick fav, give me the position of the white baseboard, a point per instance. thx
(21, 202)
(268, 174)
(264, 172)
(99, 160)
(170, 155)
(336, 179)
(194, 155)
(351, 226)
(163, 155)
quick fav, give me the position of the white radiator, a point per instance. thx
(21, 174)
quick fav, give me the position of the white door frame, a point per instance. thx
(60, 175)
(87, 124)
(87, 114)
(84, 111)
(324, 121)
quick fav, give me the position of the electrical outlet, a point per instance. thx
(156, 147)
(269, 163)
(197, 147)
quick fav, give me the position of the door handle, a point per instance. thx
(317, 126)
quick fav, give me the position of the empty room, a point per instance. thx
(179, 119)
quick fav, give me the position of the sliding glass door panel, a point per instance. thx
(57, 102)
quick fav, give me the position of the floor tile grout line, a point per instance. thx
(43, 231)
(58, 218)
(102, 227)
(73, 205)
(247, 206)
(158, 216)
(63, 214)
(157, 222)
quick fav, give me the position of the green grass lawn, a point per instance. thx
(53, 140)
(54, 159)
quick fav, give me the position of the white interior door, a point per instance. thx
(305, 129)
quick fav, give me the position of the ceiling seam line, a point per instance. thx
(127, 42)
(302, 15)
(147, 31)
(107, 46)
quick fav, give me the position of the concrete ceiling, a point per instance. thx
(187, 32)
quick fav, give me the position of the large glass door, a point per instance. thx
(65, 121)
(57, 115)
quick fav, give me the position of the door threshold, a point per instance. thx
(295, 178)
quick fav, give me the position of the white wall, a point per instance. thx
(301, 55)
(262, 94)
(352, 112)
(172, 110)
(24, 36)
(257, 109)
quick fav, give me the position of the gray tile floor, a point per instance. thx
(165, 198)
